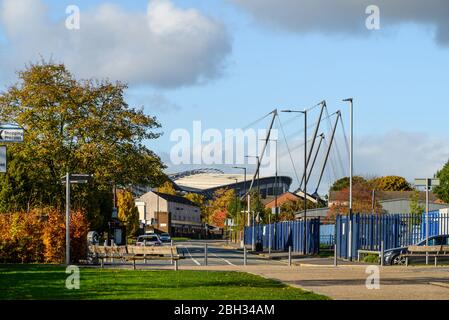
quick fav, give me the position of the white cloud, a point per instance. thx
(164, 47)
(348, 16)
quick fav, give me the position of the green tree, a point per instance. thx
(415, 208)
(443, 189)
(79, 127)
(344, 183)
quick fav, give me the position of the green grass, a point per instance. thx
(47, 282)
(180, 239)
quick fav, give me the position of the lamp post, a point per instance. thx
(305, 175)
(351, 169)
(275, 195)
(69, 179)
(249, 201)
(245, 191)
(428, 184)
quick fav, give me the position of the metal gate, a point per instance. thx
(285, 234)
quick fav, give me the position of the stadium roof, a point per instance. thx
(204, 181)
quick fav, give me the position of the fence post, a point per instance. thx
(382, 253)
(290, 255)
(335, 255)
(244, 255)
(205, 254)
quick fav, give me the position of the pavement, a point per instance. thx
(345, 282)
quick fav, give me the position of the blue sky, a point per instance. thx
(397, 76)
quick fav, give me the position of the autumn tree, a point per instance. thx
(290, 208)
(77, 126)
(362, 201)
(391, 183)
(128, 213)
(167, 188)
(217, 207)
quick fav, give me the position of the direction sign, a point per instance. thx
(427, 182)
(2, 159)
(11, 135)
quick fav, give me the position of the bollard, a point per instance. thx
(290, 255)
(144, 256)
(112, 254)
(244, 255)
(335, 256)
(176, 265)
(205, 254)
(382, 253)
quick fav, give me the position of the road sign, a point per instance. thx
(11, 135)
(2, 159)
(427, 182)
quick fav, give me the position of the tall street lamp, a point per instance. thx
(69, 179)
(351, 170)
(275, 195)
(304, 177)
(245, 192)
(258, 191)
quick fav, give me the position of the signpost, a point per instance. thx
(428, 184)
(69, 179)
(11, 134)
(8, 133)
(3, 162)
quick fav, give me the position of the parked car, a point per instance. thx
(148, 240)
(165, 237)
(393, 256)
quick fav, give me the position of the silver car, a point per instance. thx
(148, 240)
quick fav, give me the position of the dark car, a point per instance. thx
(165, 237)
(393, 256)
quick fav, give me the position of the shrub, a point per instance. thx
(39, 236)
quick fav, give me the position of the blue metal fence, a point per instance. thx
(285, 234)
(395, 230)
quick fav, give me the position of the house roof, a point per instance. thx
(175, 198)
(282, 198)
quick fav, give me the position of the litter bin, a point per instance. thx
(259, 246)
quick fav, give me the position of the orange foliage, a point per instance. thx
(362, 201)
(219, 218)
(40, 236)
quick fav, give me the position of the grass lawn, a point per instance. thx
(48, 282)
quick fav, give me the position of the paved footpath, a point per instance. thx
(348, 282)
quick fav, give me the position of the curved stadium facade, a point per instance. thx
(206, 183)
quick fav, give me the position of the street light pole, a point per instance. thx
(67, 218)
(68, 179)
(275, 196)
(249, 201)
(351, 169)
(245, 191)
(304, 177)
